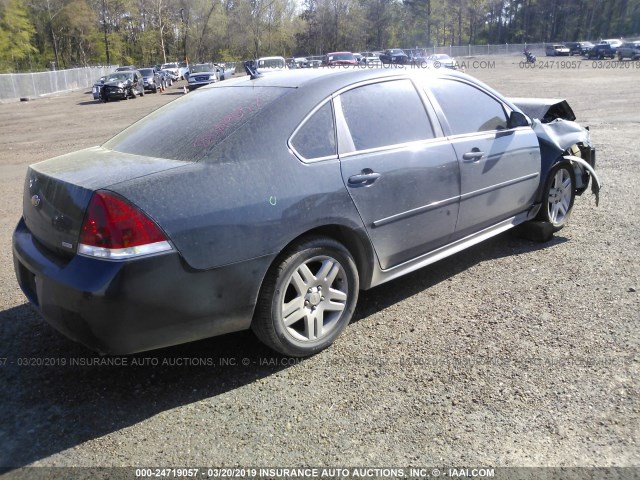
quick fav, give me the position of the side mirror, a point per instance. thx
(517, 119)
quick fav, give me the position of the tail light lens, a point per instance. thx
(115, 229)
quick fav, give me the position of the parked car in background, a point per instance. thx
(176, 231)
(629, 50)
(122, 85)
(269, 64)
(339, 58)
(166, 77)
(418, 57)
(394, 55)
(614, 42)
(441, 60)
(602, 51)
(125, 68)
(97, 87)
(557, 50)
(202, 74)
(370, 58)
(173, 69)
(297, 62)
(171, 74)
(578, 48)
(151, 79)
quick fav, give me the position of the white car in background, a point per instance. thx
(268, 64)
(370, 58)
(172, 68)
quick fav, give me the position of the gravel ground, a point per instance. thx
(511, 353)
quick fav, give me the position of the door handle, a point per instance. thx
(473, 156)
(364, 178)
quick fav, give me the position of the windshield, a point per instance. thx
(209, 118)
(202, 68)
(147, 72)
(118, 77)
(341, 56)
(169, 65)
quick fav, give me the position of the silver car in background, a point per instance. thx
(201, 74)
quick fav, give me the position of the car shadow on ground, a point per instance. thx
(504, 245)
(56, 394)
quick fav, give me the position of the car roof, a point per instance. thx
(333, 79)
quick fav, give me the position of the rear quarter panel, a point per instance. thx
(250, 199)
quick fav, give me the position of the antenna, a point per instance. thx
(252, 71)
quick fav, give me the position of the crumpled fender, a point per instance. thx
(595, 181)
(560, 134)
(552, 120)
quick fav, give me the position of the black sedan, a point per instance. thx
(602, 51)
(279, 197)
(394, 56)
(122, 85)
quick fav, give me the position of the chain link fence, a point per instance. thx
(476, 50)
(14, 86)
(472, 50)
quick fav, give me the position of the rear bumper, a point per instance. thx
(123, 307)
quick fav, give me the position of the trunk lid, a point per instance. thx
(57, 191)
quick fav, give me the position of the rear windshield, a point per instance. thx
(189, 128)
(202, 68)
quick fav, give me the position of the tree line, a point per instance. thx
(40, 34)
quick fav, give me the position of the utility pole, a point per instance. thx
(185, 25)
(104, 21)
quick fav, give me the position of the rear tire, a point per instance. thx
(307, 298)
(558, 196)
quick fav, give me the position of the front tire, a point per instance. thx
(308, 297)
(558, 196)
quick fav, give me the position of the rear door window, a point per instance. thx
(385, 114)
(316, 138)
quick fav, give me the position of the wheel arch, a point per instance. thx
(356, 242)
(544, 177)
(560, 157)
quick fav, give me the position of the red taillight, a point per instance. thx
(114, 228)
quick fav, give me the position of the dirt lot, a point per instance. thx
(509, 354)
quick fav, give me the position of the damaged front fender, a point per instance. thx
(560, 137)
